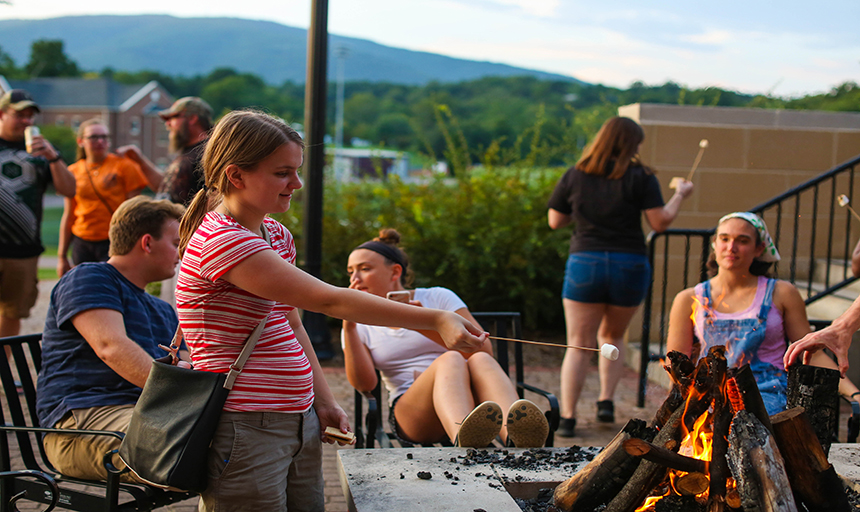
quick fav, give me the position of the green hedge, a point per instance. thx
(483, 234)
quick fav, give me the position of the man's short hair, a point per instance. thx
(140, 216)
(191, 105)
(18, 100)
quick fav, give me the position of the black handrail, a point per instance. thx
(806, 219)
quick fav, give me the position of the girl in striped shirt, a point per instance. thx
(238, 267)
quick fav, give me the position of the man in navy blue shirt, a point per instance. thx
(102, 333)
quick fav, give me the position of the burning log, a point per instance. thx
(758, 467)
(719, 469)
(699, 399)
(605, 475)
(812, 477)
(692, 484)
(680, 369)
(664, 457)
(648, 474)
(817, 391)
(750, 395)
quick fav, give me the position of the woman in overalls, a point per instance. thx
(743, 308)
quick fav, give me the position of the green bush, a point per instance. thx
(482, 234)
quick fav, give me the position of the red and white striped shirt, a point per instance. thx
(217, 318)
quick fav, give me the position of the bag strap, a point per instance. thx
(96, 190)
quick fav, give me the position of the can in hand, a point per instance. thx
(29, 133)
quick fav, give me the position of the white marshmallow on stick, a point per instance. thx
(843, 202)
(608, 350)
(673, 184)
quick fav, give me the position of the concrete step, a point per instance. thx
(837, 269)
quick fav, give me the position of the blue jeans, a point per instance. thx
(615, 278)
(773, 385)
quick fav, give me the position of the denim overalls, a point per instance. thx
(742, 338)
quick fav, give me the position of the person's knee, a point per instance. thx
(481, 361)
(452, 358)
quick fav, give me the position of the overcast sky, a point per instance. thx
(787, 48)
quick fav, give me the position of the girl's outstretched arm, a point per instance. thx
(267, 275)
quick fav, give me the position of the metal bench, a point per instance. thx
(70, 493)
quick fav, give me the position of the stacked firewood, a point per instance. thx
(758, 463)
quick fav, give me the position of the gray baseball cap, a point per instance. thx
(190, 104)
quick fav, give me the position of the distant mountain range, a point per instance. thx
(275, 52)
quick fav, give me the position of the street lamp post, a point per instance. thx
(315, 126)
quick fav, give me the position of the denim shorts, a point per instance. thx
(615, 278)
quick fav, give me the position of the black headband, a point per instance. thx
(388, 251)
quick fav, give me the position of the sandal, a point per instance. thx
(527, 425)
(480, 427)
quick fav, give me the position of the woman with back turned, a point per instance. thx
(607, 272)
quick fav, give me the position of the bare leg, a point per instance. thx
(438, 400)
(582, 320)
(616, 319)
(490, 382)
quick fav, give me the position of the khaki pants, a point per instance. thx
(265, 461)
(82, 456)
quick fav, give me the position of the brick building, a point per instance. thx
(130, 111)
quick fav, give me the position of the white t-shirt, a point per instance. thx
(399, 353)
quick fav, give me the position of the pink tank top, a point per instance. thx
(774, 345)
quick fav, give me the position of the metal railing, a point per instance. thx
(809, 228)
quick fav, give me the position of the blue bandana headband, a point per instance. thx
(770, 254)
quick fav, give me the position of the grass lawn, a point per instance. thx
(51, 228)
(47, 274)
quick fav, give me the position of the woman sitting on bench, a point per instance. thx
(433, 391)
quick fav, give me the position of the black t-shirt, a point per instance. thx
(184, 176)
(23, 180)
(606, 213)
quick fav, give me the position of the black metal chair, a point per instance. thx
(110, 496)
(371, 431)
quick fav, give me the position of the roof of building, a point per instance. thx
(77, 92)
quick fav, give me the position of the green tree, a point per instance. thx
(7, 66)
(47, 59)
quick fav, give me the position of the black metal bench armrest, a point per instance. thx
(13, 428)
(40, 475)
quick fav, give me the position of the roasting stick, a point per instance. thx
(673, 184)
(702, 145)
(608, 350)
(843, 201)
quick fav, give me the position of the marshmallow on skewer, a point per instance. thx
(703, 143)
(609, 351)
(843, 202)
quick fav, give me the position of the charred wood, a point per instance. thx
(680, 369)
(812, 477)
(757, 467)
(605, 475)
(719, 469)
(750, 395)
(817, 391)
(664, 457)
(648, 474)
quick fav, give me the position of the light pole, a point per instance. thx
(315, 99)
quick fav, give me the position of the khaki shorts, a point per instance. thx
(19, 286)
(82, 456)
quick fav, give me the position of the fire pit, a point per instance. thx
(710, 447)
(453, 479)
